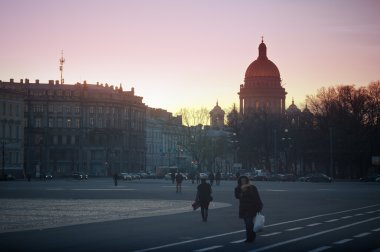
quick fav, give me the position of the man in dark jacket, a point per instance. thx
(204, 197)
(178, 179)
(250, 205)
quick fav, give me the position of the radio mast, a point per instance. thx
(61, 61)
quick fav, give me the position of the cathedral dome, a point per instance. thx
(262, 66)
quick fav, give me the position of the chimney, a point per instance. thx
(26, 81)
(37, 81)
(51, 82)
(21, 81)
(56, 82)
(11, 80)
(133, 90)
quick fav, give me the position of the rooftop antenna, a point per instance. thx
(61, 61)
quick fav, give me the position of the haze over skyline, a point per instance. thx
(191, 53)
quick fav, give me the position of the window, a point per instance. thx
(55, 140)
(68, 123)
(77, 123)
(26, 123)
(59, 108)
(26, 108)
(67, 109)
(38, 123)
(76, 110)
(91, 110)
(64, 140)
(17, 110)
(51, 122)
(73, 140)
(51, 108)
(10, 109)
(91, 122)
(60, 123)
(38, 108)
(100, 123)
(100, 110)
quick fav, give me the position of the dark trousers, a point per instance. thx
(204, 209)
(249, 228)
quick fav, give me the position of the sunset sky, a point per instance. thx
(191, 53)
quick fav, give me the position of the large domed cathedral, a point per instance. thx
(262, 88)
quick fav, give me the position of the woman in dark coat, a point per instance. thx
(250, 205)
(204, 197)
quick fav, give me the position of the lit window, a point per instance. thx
(68, 123)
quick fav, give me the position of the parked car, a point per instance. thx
(277, 177)
(371, 177)
(126, 176)
(79, 175)
(316, 177)
(46, 176)
(168, 176)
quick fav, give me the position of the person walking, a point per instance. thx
(211, 177)
(179, 179)
(250, 205)
(218, 177)
(204, 197)
(198, 178)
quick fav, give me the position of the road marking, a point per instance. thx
(362, 235)
(209, 248)
(270, 234)
(370, 212)
(313, 235)
(188, 241)
(342, 241)
(276, 190)
(359, 214)
(314, 224)
(376, 230)
(320, 249)
(333, 220)
(294, 229)
(238, 241)
(241, 231)
(347, 217)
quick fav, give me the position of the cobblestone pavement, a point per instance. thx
(31, 214)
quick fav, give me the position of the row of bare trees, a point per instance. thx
(339, 134)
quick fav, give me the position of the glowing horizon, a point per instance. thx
(191, 53)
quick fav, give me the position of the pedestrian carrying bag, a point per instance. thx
(259, 222)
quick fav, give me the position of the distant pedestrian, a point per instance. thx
(198, 178)
(211, 177)
(204, 197)
(28, 176)
(250, 205)
(179, 179)
(218, 177)
(237, 175)
(115, 178)
(172, 175)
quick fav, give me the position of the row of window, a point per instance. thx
(11, 158)
(10, 109)
(76, 123)
(10, 131)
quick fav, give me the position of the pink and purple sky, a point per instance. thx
(179, 53)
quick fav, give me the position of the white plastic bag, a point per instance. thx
(259, 222)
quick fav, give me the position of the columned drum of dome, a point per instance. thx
(262, 88)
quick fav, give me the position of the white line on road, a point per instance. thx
(333, 220)
(240, 231)
(314, 224)
(270, 234)
(209, 248)
(370, 212)
(276, 190)
(238, 241)
(376, 230)
(313, 235)
(342, 241)
(359, 214)
(362, 235)
(294, 229)
(347, 217)
(320, 249)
